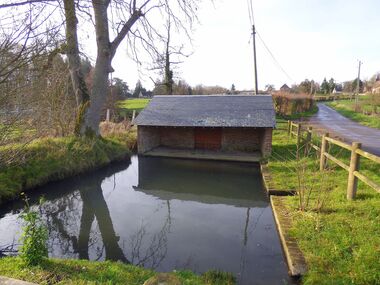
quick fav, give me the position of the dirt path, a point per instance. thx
(329, 120)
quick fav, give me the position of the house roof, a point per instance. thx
(285, 86)
(209, 111)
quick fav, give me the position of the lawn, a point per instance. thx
(127, 106)
(59, 271)
(339, 238)
(347, 109)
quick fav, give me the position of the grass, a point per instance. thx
(50, 159)
(341, 240)
(127, 106)
(297, 116)
(59, 271)
(347, 109)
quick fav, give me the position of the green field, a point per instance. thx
(126, 107)
(340, 238)
(364, 117)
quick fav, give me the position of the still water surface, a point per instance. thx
(163, 214)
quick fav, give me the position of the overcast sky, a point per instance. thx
(310, 39)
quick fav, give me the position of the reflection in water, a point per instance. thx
(163, 214)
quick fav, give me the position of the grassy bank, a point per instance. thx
(49, 159)
(340, 239)
(55, 271)
(347, 109)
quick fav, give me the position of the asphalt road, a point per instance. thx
(329, 120)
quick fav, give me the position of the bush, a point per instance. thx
(34, 237)
(287, 104)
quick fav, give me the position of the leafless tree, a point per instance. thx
(138, 22)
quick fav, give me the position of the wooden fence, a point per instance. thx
(356, 153)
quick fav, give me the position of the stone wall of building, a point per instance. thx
(241, 139)
(177, 137)
(147, 138)
(266, 142)
(233, 139)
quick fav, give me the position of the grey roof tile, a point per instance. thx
(209, 111)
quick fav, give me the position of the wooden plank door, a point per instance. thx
(208, 138)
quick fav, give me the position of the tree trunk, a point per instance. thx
(72, 51)
(105, 52)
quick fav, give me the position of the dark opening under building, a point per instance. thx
(228, 127)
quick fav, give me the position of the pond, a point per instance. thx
(163, 214)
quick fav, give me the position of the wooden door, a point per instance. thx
(208, 138)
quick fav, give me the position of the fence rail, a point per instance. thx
(353, 168)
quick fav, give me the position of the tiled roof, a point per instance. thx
(209, 111)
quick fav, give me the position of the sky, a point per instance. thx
(310, 39)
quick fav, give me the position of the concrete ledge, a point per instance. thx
(294, 256)
(204, 154)
(11, 281)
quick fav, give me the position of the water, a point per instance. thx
(163, 214)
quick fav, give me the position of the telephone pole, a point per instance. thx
(254, 57)
(358, 87)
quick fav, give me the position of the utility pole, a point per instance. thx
(254, 57)
(358, 88)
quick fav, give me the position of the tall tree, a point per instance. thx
(332, 85)
(325, 88)
(133, 21)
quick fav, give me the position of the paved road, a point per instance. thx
(330, 120)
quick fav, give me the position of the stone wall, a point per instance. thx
(241, 139)
(266, 142)
(233, 139)
(147, 138)
(177, 137)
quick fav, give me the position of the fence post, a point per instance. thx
(352, 184)
(308, 140)
(133, 116)
(299, 128)
(289, 127)
(322, 162)
(108, 115)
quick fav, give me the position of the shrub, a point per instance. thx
(34, 237)
(287, 104)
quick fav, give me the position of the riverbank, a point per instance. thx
(346, 108)
(339, 238)
(70, 271)
(50, 159)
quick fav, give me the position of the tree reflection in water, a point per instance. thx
(72, 231)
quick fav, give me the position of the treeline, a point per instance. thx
(307, 86)
(181, 87)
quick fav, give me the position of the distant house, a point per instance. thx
(285, 88)
(238, 125)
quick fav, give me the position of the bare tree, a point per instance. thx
(135, 25)
(139, 22)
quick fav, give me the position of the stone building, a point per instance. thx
(207, 126)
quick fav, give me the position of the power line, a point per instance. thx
(274, 58)
(250, 13)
